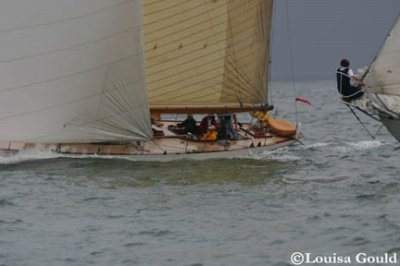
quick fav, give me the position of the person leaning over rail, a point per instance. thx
(345, 79)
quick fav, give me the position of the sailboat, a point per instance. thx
(99, 77)
(382, 84)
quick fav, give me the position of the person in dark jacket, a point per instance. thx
(345, 77)
(189, 125)
(206, 122)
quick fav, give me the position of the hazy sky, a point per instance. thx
(324, 31)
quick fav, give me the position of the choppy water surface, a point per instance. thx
(338, 193)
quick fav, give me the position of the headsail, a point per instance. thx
(72, 71)
(383, 77)
(209, 54)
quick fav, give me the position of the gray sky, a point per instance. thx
(324, 31)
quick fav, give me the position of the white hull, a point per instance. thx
(166, 148)
(393, 125)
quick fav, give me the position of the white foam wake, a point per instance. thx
(358, 146)
(34, 155)
(282, 154)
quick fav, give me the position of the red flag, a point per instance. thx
(305, 101)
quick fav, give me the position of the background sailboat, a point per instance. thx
(85, 76)
(383, 82)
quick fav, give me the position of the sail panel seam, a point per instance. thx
(67, 19)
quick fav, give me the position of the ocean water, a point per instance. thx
(334, 196)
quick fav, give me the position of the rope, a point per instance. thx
(365, 127)
(359, 120)
(363, 111)
(348, 105)
(354, 94)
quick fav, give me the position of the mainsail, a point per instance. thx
(383, 77)
(207, 54)
(89, 71)
(72, 71)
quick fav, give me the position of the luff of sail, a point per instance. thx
(383, 76)
(210, 55)
(382, 79)
(72, 71)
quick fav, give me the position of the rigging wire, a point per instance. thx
(373, 136)
(269, 62)
(293, 76)
(361, 122)
(349, 105)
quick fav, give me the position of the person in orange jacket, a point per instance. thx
(211, 135)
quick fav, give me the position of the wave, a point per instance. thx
(36, 155)
(317, 145)
(283, 154)
(358, 146)
(293, 153)
(343, 146)
(24, 156)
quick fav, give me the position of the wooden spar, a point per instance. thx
(208, 109)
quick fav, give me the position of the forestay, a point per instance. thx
(72, 71)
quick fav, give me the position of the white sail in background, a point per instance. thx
(383, 78)
(72, 71)
(207, 53)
